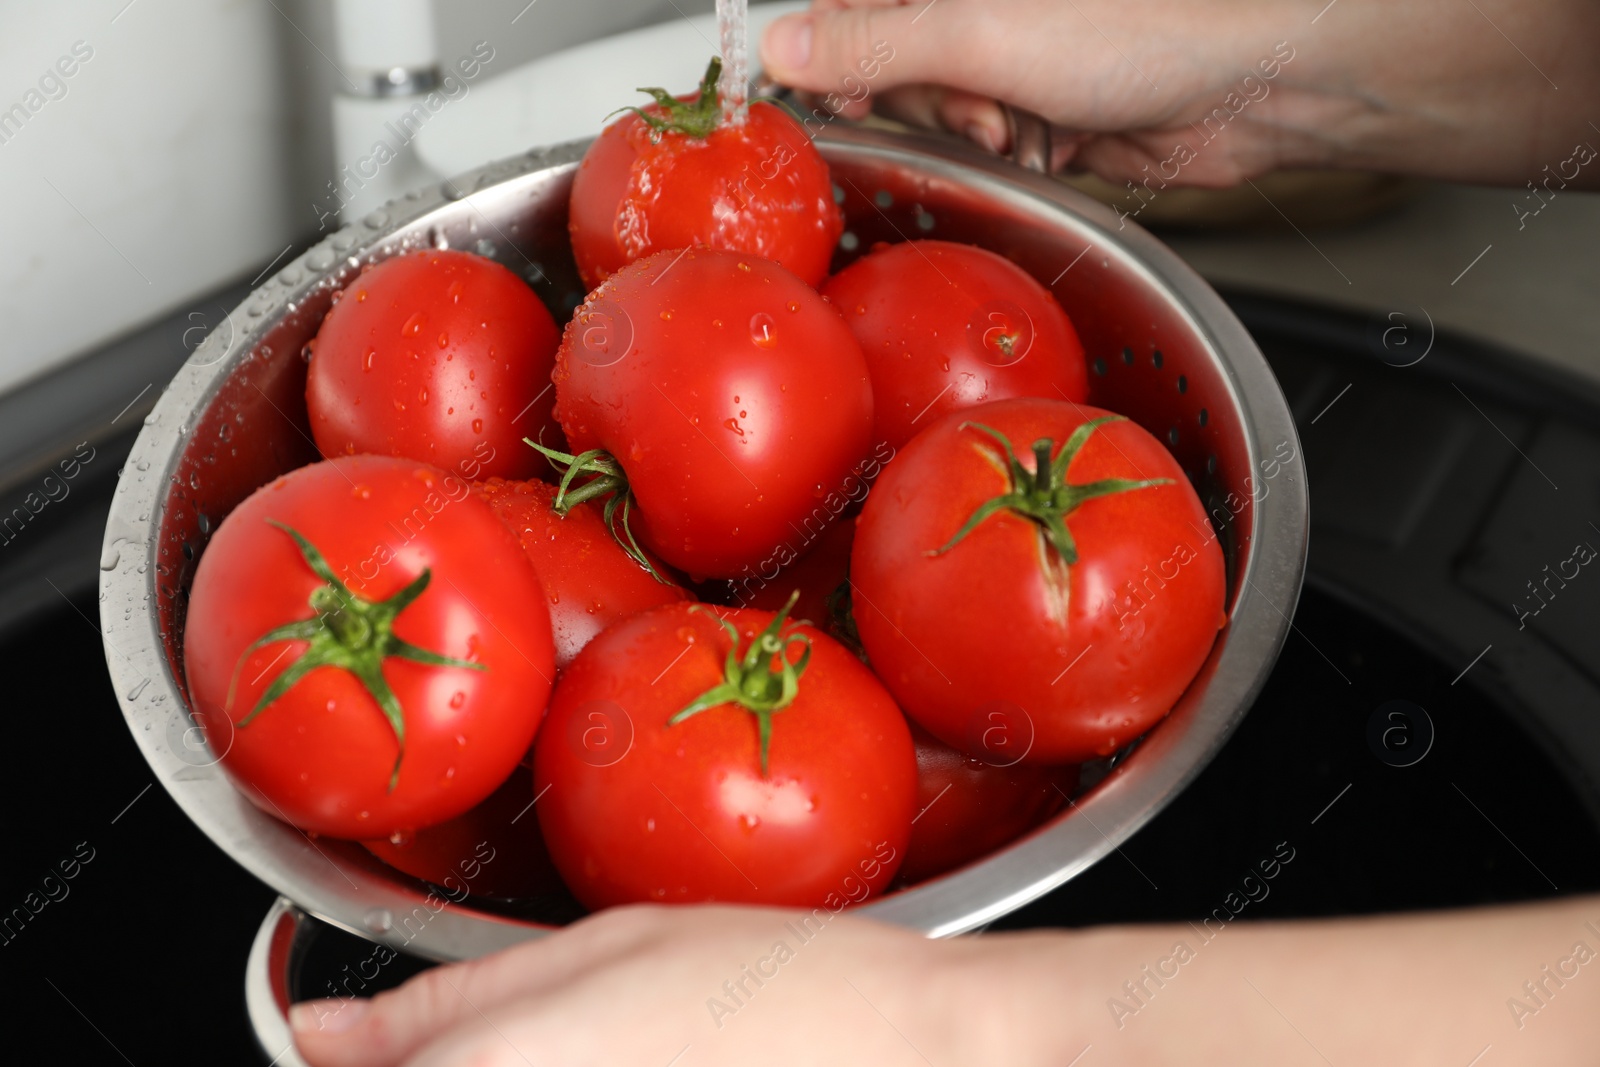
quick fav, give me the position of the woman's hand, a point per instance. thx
(1211, 93)
(721, 986)
(640, 985)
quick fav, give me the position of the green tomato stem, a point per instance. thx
(749, 680)
(347, 633)
(1043, 495)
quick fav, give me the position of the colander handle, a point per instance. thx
(1030, 139)
(274, 956)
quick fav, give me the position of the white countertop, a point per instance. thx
(1535, 290)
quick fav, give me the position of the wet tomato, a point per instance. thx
(968, 808)
(493, 850)
(723, 401)
(749, 759)
(821, 577)
(674, 174)
(367, 647)
(945, 326)
(589, 581)
(1037, 574)
(439, 356)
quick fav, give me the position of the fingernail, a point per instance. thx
(980, 134)
(327, 1016)
(789, 41)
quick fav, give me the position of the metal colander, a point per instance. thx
(1162, 346)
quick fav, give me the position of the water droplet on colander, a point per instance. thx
(288, 277)
(450, 191)
(377, 220)
(138, 688)
(110, 558)
(378, 920)
(485, 247)
(319, 259)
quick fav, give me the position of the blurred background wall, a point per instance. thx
(190, 144)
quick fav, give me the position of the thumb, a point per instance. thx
(392, 1026)
(388, 1028)
(873, 47)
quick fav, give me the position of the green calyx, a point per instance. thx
(1043, 495)
(695, 118)
(750, 682)
(351, 634)
(609, 481)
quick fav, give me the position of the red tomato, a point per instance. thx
(438, 356)
(946, 326)
(671, 175)
(589, 581)
(655, 777)
(821, 577)
(494, 850)
(968, 808)
(405, 577)
(1063, 616)
(729, 399)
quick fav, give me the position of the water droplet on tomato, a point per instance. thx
(413, 325)
(456, 701)
(762, 330)
(733, 424)
(650, 828)
(422, 396)
(361, 295)
(444, 339)
(461, 740)
(749, 822)
(477, 425)
(666, 316)
(401, 838)
(366, 362)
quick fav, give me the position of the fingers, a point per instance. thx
(389, 1028)
(882, 44)
(977, 118)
